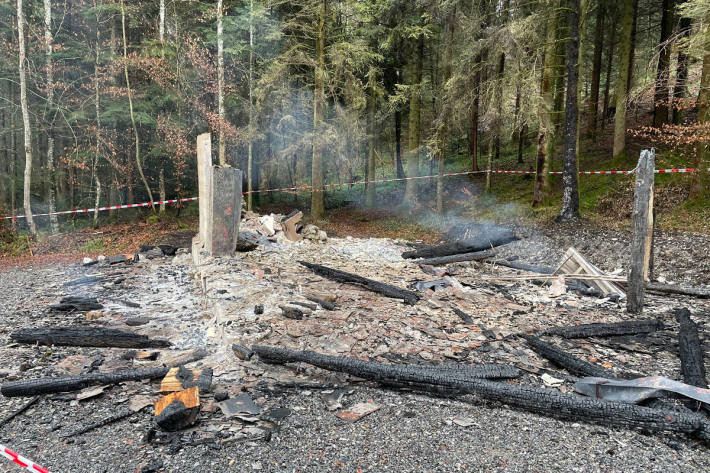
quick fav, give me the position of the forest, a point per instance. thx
(101, 101)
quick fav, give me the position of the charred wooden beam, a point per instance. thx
(77, 303)
(32, 387)
(242, 352)
(379, 287)
(383, 372)
(521, 266)
(692, 363)
(464, 316)
(462, 246)
(458, 258)
(627, 327)
(564, 360)
(181, 378)
(86, 337)
(532, 399)
(699, 292)
(178, 410)
(327, 305)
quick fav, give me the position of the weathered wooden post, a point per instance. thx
(642, 231)
(220, 204)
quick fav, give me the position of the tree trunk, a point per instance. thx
(54, 224)
(25, 119)
(97, 201)
(371, 159)
(161, 189)
(632, 50)
(473, 131)
(443, 129)
(250, 145)
(660, 95)
(627, 21)
(570, 190)
(680, 88)
(415, 104)
(609, 66)
(398, 143)
(498, 116)
(596, 69)
(220, 86)
(546, 132)
(317, 195)
(97, 110)
(700, 185)
(130, 106)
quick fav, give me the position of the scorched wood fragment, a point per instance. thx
(181, 378)
(379, 287)
(178, 410)
(462, 246)
(475, 256)
(103, 422)
(61, 384)
(565, 360)
(633, 327)
(692, 363)
(76, 303)
(538, 400)
(699, 292)
(86, 337)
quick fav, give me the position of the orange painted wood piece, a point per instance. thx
(189, 397)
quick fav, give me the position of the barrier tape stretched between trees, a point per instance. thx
(342, 184)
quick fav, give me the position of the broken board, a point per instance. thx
(574, 263)
(181, 378)
(178, 410)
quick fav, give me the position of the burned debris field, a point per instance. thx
(482, 353)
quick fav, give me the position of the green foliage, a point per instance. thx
(95, 245)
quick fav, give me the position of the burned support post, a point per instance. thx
(642, 231)
(692, 362)
(220, 204)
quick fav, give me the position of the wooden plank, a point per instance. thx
(181, 378)
(178, 410)
(574, 263)
(642, 231)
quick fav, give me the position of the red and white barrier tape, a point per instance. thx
(18, 459)
(343, 184)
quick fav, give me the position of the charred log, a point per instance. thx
(86, 337)
(370, 284)
(464, 316)
(77, 304)
(462, 246)
(692, 363)
(458, 258)
(321, 302)
(537, 400)
(633, 327)
(103, 422)
(564, 360)
(32, 387)
(699, 292)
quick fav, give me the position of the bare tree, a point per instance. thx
(25, 117)
(220, 84)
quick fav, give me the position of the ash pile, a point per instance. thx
(298, 310)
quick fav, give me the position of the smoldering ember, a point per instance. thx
(263, 344)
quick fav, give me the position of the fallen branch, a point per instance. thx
(62, 384)
(108, 420)
(538, 400)
(19, 411)
(521, 266)
(564, 360)
(692, 364)
(375, 286)
(633, 327)
(86, 337)
(458, 258)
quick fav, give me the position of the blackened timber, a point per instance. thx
(103, 422)
(383, 372)
(521, 266)
(692, 364)
(464, 316)
(564, 360)
(528, 398)
(699, 292)
(632, 327)
(462, 246)
(86, 337)
(32, 387)
(19, 411)
(474, 256)
(321, 302)
(77, 303)
(379, 287)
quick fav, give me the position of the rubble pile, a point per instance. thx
(210, 346)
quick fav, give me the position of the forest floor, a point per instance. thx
(409, 431)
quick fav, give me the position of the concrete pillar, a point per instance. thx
(204, 183)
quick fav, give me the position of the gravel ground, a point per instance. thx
(409, 433)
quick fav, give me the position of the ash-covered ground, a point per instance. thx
(212, 306)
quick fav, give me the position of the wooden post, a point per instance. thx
(204, 181)
(642, 231)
